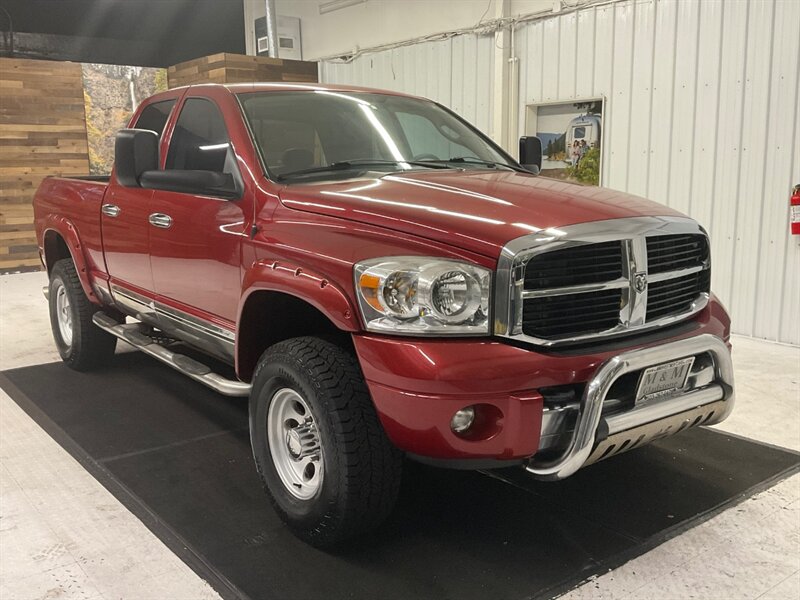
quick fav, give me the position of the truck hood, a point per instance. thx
(478, 211)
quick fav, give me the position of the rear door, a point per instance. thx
(195, 241)
(126, 229)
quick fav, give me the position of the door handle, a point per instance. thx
(111, 210)
(160, 220)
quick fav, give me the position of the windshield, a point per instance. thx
(304, 133)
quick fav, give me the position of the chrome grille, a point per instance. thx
(675, 296)
(553, 317)
(601, 279)
(575, 266)
(672, 252)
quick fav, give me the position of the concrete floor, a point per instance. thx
(63, 535)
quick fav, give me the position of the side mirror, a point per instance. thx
(530, 153)
(135, 151)
(203, 183)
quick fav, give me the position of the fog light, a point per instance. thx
(463, 419)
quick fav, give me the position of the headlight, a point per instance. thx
(417, 295)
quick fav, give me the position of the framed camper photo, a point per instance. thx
(572, 138)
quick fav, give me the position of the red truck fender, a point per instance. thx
(302, 284)
(63, 227)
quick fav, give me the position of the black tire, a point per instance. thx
(90, 346)
(361, 469)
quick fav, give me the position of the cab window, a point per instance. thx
(154, 116)
(200, 140)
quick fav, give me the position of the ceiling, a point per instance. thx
(155, 33)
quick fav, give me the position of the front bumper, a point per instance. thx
(708, 403)
(417, 386)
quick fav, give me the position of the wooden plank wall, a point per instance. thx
(42, 132)
(237, 68)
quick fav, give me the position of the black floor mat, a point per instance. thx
(178, 456)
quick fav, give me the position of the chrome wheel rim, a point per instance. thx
(294, 444)
(64, 314)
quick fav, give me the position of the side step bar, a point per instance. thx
(133, 335)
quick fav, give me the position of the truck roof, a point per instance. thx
(289, 87)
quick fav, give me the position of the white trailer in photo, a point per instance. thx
(584, 127)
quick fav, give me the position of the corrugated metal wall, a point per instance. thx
(702, 114)
(458, 72)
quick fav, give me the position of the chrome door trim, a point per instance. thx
(160, 220)
(111, 210)
(195, 322)
(134, 304)
(203, 334)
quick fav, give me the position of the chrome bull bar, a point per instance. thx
(707, 405)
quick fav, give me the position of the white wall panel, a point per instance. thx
(778, 255)
(707, 125)
(585, 54)
(681, 162)
(662, 112)
(727, 166)
(603, 79)
(568, 53)
(639, 142)
(749, 210)
(702, 114)
(457, 72)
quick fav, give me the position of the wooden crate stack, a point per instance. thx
(42, 132)
(237, 68)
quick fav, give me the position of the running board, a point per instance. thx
(132, 334)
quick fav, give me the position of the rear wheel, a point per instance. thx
(81, 344)
(327, 465)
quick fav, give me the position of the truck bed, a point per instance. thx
(78, 201)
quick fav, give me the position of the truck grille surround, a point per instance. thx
(596, 280)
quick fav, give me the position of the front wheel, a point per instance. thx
(327, 465)
(81, 344)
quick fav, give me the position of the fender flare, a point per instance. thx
(301, 283)
(304, 284)
(69, 233)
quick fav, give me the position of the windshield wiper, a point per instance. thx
(474, 160)
(344, 165)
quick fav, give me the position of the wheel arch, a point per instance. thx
(61, 240)
(282, 301)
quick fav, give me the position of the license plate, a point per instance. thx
(663, 379)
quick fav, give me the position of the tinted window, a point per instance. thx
(425, 139)
(579, 132)
(292, 144)
(300, 130)
(154, 116)
(200, 140)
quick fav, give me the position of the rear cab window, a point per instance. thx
(154, 116)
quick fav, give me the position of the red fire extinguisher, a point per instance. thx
(795, 210)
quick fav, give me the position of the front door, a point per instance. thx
(126, 229)
(195, 241)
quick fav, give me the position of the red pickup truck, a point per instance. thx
(383, 281)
